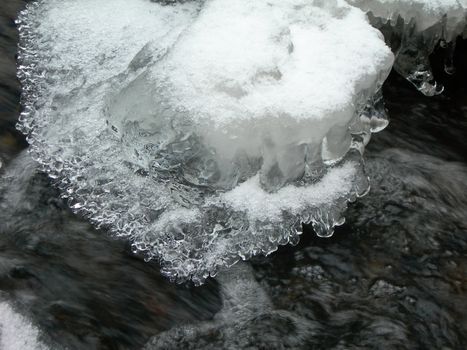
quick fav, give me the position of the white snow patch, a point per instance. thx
(262, 205)
(17, 332)
(295, 59)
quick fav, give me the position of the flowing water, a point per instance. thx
(394, 276)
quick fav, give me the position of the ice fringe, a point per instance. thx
(413, 28)
(203, 139)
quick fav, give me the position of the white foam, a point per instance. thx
(17, 332)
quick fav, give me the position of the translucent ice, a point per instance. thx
(205, 132)
(413, 28)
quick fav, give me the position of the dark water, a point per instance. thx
(393, 277)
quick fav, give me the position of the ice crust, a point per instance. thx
(204, 132)
(16, 332)
(413, 28)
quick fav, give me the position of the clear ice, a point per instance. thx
(204, 132)
(413, 29)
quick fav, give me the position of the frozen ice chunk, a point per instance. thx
(205, 132)
(16, 332)
(254, 91)
(413, 28)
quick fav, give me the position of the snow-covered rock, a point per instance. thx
(205, 132)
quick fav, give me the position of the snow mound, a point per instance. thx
(204, 132)
(413, 28)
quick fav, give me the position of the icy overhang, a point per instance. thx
(413, 28)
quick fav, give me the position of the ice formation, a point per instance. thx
(204, 132)
(413, 28)
(16, 332)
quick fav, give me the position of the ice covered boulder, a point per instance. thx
(204, 132)
(413, 28)
(272, 89)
